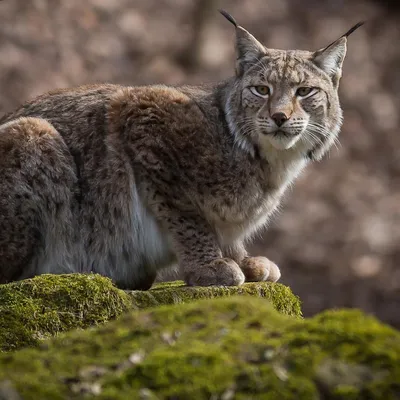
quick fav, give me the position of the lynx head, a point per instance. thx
(285, 100)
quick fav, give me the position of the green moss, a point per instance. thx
(38, 308)
(279, 295)
(236, 347)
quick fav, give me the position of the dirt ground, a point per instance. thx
(337, 237)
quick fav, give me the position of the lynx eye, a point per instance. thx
(260, 90)
(304, 91)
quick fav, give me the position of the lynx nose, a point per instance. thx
(279, 118)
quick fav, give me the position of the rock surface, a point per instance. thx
(230, 348)
(38, 308)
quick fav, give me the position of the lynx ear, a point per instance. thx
(330, 59)
(248, 48)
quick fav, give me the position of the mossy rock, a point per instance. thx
(35, 309)
(231, 348)
(44, 306)
(281, 297)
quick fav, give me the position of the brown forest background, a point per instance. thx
(337, 238)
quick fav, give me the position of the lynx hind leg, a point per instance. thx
(36, 178)
(258, 269)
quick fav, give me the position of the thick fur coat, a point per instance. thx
(124, 181)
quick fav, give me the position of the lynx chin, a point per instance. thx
(124, 181)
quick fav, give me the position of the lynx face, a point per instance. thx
(285, 100)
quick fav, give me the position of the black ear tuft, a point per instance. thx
(248, 48)
(355, 27)
(229, 17)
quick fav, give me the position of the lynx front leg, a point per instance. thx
(197, 249)
(255, 269)
(200, 256)
(236, 251)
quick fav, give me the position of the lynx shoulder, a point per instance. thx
(124, 181)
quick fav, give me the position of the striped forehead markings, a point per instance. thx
(289, 67)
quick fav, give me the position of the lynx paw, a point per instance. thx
(257, 269)
(220, 272)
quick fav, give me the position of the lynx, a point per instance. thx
(124, 181)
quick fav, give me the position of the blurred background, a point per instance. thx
(337, 238)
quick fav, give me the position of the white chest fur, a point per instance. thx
(255, 209)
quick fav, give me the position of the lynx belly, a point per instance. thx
(130, 257)
(142, 248)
